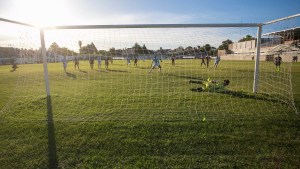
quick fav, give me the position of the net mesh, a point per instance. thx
(121, 85)
(118, 115)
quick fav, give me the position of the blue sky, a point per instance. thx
(60, 12)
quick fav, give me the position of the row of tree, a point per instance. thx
(9, 52)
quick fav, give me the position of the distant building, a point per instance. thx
(268, 41)
(272, 44)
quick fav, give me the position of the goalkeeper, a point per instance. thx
(210, 85)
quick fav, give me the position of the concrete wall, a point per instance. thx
(286, 57)
(242, 47)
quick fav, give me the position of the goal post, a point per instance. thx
(43, 52)
(256, 68)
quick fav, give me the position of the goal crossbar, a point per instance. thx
(153, 26)
(136, 25)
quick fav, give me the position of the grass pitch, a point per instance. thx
(125, 117)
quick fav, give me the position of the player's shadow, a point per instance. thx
(239, 94)
(192, 79)
(145, 68)
(196, 81)
(52, 156)
(112, 70)
(82, 71)
(71, 75)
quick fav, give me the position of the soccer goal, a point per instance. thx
(145, 72)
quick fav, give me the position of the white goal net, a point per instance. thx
(167, 72)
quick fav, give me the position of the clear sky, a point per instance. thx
(63, 12)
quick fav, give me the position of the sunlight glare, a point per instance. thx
(42, 12)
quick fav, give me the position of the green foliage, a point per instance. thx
(224, 45)
(89, 49)
(138, 49)
(247, 38)
(54, 48)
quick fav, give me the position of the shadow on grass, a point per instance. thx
(112, 70)
(193, 79)
(146, 67)
(82, 71)
(71, 75)
(240, 94)
(52, 157)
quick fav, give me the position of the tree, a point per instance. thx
(89, 49)
(225, 44)
(207, 47)
(145, 50)
(137, 48)
(54, 48)
(112, 51)
(189, 50)
(247, 38)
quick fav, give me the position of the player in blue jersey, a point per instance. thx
(217, 61)
(155, 63)
(128, 61)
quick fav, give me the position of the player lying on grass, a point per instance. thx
(210, 85)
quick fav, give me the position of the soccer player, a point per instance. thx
(91, 62)
(99, 62)
(14, 65)
(111, 60)
(76, 62)
(65, 63)
(135, 61)
(207, 61)
(211, 85)
(295, 58)
(277, 62)
(217, 61)
(173, 60)
(106, 62)
(203, 61)
(128, 61)
(155, 63)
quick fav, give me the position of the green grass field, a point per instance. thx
(125, 117)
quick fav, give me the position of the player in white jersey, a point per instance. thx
(155, 63)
